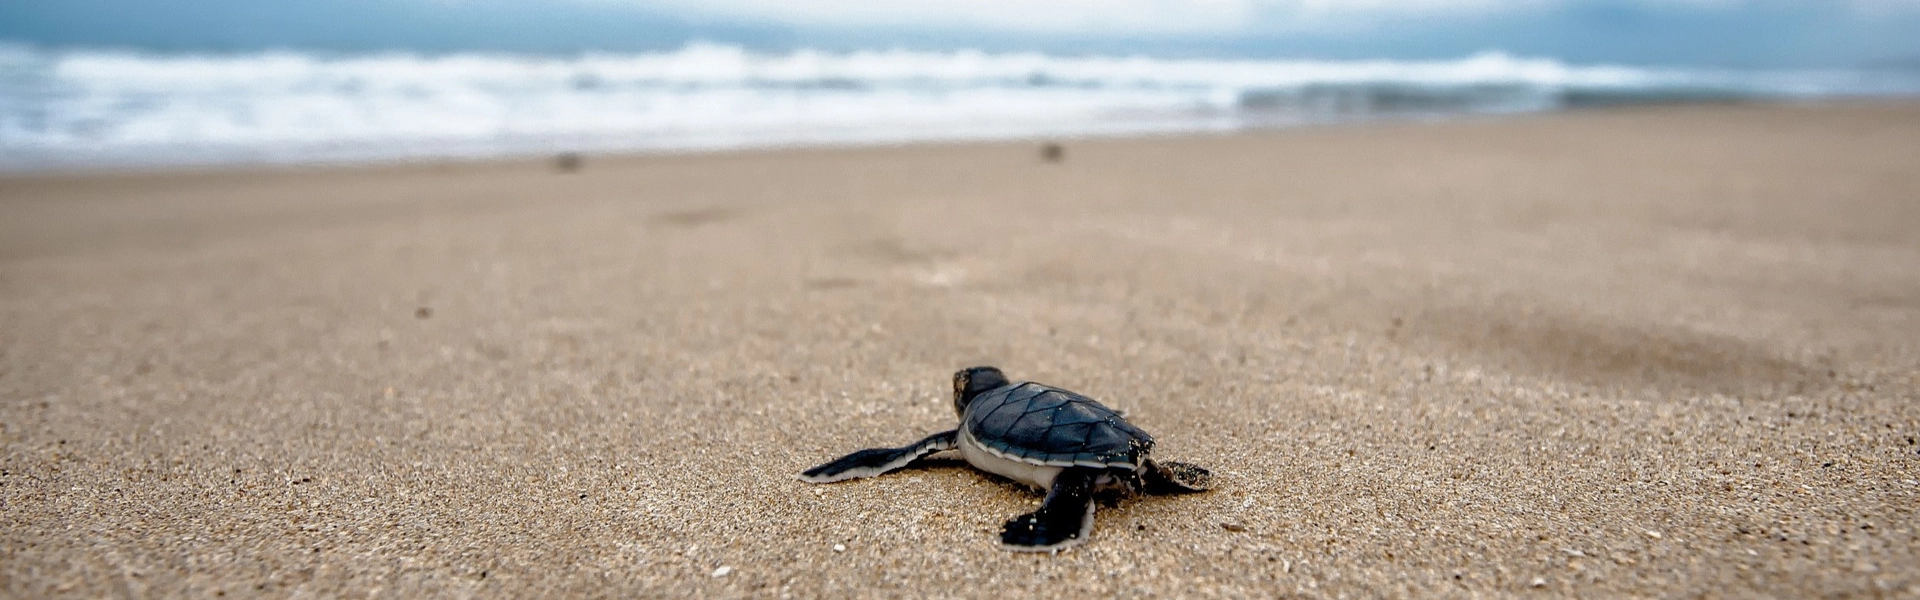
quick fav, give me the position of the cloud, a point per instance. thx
(1039, 16)
(1165, 16)
(1076, 16)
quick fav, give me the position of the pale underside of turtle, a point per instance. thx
(1066, 444)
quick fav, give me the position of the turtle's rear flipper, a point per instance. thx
(1064, 519)
(875, 461)
(1175, 478)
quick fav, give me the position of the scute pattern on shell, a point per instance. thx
(1045, 425)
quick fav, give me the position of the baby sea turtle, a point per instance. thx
(1052, 439)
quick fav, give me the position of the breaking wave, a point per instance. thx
(99, 108)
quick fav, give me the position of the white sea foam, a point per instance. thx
(109, 108)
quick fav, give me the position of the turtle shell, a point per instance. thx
(1043, 425)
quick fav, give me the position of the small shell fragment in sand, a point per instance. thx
(839, 547)
(722, 571)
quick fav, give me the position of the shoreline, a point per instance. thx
(137, 167)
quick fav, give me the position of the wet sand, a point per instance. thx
(1664, 352)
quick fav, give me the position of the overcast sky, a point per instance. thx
(1718, 32)
(1207, 17)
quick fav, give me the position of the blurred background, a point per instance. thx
(102, 84)
(1556, 345)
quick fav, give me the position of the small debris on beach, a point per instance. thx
(722, 571)
(567, 162)
(422, 312)
(1052, 152)
(839, 547)
(1234, 527)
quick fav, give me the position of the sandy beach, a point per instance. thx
(1645, 352)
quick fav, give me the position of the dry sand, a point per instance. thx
(1658, 352)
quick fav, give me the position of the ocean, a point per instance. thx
(109, 109)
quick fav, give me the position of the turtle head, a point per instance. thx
(971, 382)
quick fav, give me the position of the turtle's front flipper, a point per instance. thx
(876, 461)
(1064, 519)
(1175, 478)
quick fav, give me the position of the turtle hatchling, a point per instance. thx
(1066, 444)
